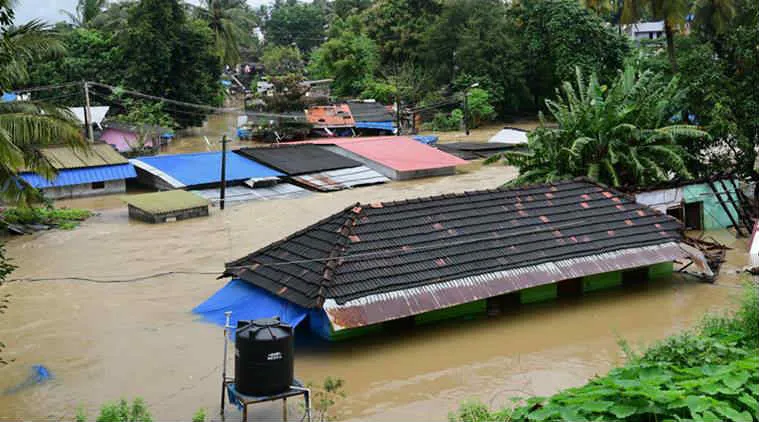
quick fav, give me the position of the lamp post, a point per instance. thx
(466, 106)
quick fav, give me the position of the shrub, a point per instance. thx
(123, 412)
(445, 122)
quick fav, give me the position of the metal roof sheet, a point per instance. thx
(473, 150)
(203, 168)
(298, 159)
(369, 112)
(341, 179)
(510, 136)
(330, 116)
(95, 155)
(70, 177)
(97, 113)
(387, 125)
(381, 248)
(400, 153)
(164, 202)
(242, 193)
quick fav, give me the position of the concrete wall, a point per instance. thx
(79, 191)
(147, 217)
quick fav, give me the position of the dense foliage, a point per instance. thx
(63, 218)
(618, 134)
(707, 374)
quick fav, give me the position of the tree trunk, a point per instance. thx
(670, 34)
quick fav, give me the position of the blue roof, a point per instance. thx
(8, 97)
(203, 168)
(428, 139)
(376, 125)
(69, 177)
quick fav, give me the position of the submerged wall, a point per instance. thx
(85, 189)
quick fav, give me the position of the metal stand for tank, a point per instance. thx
(228, 387)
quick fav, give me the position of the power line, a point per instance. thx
(48, 87)
(114, 89)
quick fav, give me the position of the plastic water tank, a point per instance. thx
(263, 357)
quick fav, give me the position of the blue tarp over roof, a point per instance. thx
(204, 168)
(247, 302)
(376, 125)
(8, 97)
(69, 177)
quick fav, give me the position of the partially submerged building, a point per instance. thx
(163, 207)
(372, 117)
(128, 137)
(397, 157)
(473, 150)
(510, 136)
(314, 166)
(379, 265)
(200, 170)
(98, 170)
(704, 204)
(333, 119)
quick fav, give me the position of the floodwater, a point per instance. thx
(105, 341)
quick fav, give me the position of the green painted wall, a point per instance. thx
(539, 293)
(464, 310)
(353, 332)
(601, 281)
(663, 270)
(714, 215)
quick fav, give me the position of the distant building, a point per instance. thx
(128, 137)
(646, 30)
(98, 171)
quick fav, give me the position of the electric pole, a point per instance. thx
(87, 113)
(223, 171)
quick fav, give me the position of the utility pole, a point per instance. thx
(398, 115)
(223, 171)
(466, 113)
(87, 113)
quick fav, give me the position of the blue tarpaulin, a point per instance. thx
(203, 168)
(8, 97)
(70, 177)
(388, 126)
(248, 302)
(429, 140)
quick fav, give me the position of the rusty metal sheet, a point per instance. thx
(403, 303)
(341, 179)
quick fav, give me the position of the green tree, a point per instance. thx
(171, 56)
(672, 12)
(713, 17)
(349, 57)
(398, 26)
(479, 107)
(114, 19)
(279, 60)
(26, 126)
(618, 135)
(86, 11)
(292, 23)
(220, 15)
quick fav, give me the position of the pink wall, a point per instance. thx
(121, 139)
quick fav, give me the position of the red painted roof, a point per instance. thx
(330, 116)
(400, 153)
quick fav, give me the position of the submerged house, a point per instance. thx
(127, 137)
(97, 171)
(705, 204)
(379, 265)
(372, 118)
(332, 120)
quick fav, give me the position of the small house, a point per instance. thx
(384, 265)
(646, 30)
(333, 120)
(163, 207)
(372, 118)
(98, 170)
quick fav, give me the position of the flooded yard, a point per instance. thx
(103, 341)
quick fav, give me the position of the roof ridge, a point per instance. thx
(334, 258)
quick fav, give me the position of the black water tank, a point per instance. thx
(263, 357)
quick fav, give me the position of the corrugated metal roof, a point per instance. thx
(398, 304)
(164, 202)
(330, 116)
(298, 159)
(96, 155)
(242, 193)
(70, 177)
(510, 136)
(204, 168)
(399, 153)
(473, 150)
(381, 248)
(369, 112)
(341, 179)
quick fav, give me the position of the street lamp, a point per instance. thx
(466, 106)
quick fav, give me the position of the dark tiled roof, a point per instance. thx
(369, 112)
(379, 248)
(298, 159)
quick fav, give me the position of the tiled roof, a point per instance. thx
(418, 244)
(298, 159)
(330, 116)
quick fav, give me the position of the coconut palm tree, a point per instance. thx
(221, 16)
(672, 12)
(86, 11)
(620, 135)
(714, 15)
(25, 126)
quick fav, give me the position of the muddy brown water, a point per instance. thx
(105, 341)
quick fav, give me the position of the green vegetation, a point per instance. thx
(618, 135)
(62, 218)
(325, 396)
(6, 268)
(709, 373)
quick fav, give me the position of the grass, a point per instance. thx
(62, 218)
(708, 373)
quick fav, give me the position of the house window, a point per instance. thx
(98, 185)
